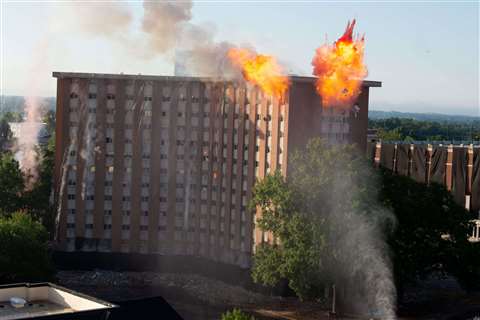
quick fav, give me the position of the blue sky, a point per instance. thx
(426, 54)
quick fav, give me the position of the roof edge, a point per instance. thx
(85, 75)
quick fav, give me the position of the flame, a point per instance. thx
(261, 70)
(340, 69)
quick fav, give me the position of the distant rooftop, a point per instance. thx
(82, 75)
(47, 300)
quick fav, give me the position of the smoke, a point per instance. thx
(103, 20)
(337, 185)
(359, 239)
(26, 144)
(164, 22)
(165, 29)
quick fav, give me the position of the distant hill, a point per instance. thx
(436, 117)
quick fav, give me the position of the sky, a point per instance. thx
(425, 53)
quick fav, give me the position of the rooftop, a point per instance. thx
(44, 300)
(82, 75)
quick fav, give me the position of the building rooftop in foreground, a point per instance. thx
(86, 75)
(46, 300)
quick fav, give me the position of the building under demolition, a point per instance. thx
(166, 165)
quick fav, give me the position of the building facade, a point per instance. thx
(166, 165)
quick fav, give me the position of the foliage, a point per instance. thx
(236, 314)
(49, 119)
(6, 134)
(23, 249)
(395, 129)
(11, 184)
(37, 199)
(389, 135)
(432, 231)
(306, 213)
(12, 116)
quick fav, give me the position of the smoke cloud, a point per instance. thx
(26, 144)
(343, 192)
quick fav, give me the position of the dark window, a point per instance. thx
(147, 98)
(125, 227)
(92, 96)
(110, 96)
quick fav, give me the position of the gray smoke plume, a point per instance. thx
(164, 22)
(365, 268)
(335, 184)
(166, 29)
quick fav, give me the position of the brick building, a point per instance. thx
(165, 165)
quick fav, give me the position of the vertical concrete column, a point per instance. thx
(410, 159)
(251, 230)
(395, 152)
(99, 200)
(378, 154)
(62, 139)
(428, 163)
(469, 178)
(118, 162)
(448, 168)
(154, 190)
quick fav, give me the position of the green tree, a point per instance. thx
(6, 134)
(11, 184)
(389, 135)
(12, 116)
(37, 199)
(431, 234)
(236, 314)
(23, 249)
(49, 119)
(308, 216)
(297, 255)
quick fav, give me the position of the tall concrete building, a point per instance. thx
(166, 165)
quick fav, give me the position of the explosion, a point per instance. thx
(261, 70)
(340, 69)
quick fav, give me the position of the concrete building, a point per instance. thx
(166, 165)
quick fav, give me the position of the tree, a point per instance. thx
(6, 134)
(23, 249)
(236, 314)
(431, 233)
(37, 200)
(298, 258)
(315, 217)
(49, 119)
(389, 135)
(11, 184)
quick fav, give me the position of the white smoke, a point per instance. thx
(357, 231)
(26, 144)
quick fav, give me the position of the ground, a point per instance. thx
(197, 298)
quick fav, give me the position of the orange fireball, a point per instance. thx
(340, 69)
(261, 70)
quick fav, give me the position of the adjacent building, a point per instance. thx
(166, 165)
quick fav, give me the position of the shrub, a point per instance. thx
(23, 249)
(236, 314)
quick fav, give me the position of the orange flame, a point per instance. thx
(261, 70)
(340, 69)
